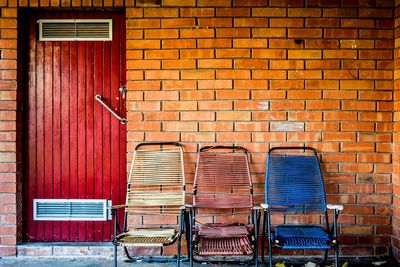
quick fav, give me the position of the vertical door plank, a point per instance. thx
(90, 120)
(40, 174)
(31, 153)
(81, 179)
(73, 142)
(107, 129)
(98, 131)
(65, 118)
(57, 130)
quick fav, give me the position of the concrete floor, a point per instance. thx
(106, 262)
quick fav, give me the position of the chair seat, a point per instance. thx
(147, 237)
(301, 237)
(224, 246)
(223, 239)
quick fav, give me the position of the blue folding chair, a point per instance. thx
(294, 184)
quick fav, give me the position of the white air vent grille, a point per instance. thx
(71, 209)
(75, 30)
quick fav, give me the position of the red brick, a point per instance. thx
(197, 74)
(143, 23)
(304, 54)
(305, 74)
(286, 84)
(234, 137)
(198, 116)
(214, 63)
(305, 33)
(197, 95)
(233, 74)
(233, 32)
(250, 43)
(375, 13)
(232, 53)
(232, 94)
(179, 105)
(286, 22)
(323, 105)
(304, 12)
(215, 22)
(269, 53)
(179, 85)
(196, 33)
(340, 12)
(251, 63)
(214, 43)
(269, 74)
(250, 84)
(179, 64)
(321, 84)
(323, 44)
(339, 136)
(233, 12)
(268, 12)
(268, 115)
(340, 54)
(322, 22)
(213, 3)
(216, 127)
(215, 105)
(340, 74)
(233, 116)
(198, 137)
(162, 116)
(339, 94)
(285, 105)
(177, 23)
(250, 22)
(215, 84)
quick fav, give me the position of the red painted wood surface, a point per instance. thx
(74, 147)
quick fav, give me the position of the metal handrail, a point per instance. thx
(99, 98)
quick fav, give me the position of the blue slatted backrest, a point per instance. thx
(294, 182)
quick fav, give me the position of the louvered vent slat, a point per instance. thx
(71, 209)
(75, 30)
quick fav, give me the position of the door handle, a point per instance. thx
(100, 99)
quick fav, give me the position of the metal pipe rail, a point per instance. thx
(99, 98)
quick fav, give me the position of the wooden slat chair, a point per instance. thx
(294, 185)
(156, 187)
(223, 189)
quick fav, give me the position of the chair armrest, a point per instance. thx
(334, 207)
(264, 206)
(115, 207)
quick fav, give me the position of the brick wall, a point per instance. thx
(255, 73)
(396, 139)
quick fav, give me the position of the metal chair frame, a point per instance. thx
(268, 208)
(192, 211)
(144, 201)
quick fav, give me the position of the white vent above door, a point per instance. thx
(75, 29)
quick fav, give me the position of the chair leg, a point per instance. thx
(115, 256)
(263, 239)
(190, 238)
(325, 257)
(178, 257)
(337, 257)
(114, 215)
(256, 221)
(269, 239)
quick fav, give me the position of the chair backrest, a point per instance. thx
(294, 180)
(156, 182)
(222, 178)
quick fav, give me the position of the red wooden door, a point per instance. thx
(75, 149)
